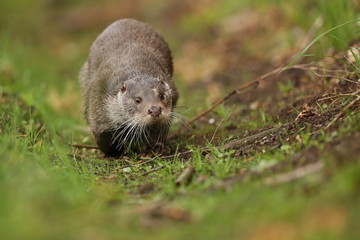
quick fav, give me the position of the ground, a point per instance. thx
(278, 159)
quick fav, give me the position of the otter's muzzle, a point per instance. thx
(154, 111)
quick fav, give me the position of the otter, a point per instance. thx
(128, 92)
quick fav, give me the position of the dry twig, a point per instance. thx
(185, 176)
(295, 174)
(343, 111)
(152, 170)
(85, 146)
(332, 76)
(237, 91)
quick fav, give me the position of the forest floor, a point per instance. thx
(279, 158)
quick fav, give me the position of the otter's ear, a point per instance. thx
(122, 88)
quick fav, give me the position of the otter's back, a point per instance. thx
(116, 40)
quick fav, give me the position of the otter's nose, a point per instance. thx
(154, 111)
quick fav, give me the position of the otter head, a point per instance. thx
(141, 100)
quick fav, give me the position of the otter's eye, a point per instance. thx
(138, 100)
(161, 96)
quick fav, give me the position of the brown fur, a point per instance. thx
(127, 49)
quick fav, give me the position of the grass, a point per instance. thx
(51, 191)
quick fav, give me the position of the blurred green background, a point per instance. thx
(47, 193)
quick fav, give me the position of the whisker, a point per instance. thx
(127, 132)
(122, 131)
(119, 128)
(133, 131)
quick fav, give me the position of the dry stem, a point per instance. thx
(152, 170)
(85, 146)
(295, 174)
(237, 91)
(343, 111)
(185, 176)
